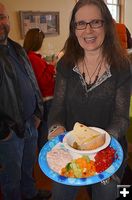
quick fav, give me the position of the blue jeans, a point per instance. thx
(18, 157)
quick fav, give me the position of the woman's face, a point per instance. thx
(89, 38)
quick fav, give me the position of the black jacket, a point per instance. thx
(11, 109)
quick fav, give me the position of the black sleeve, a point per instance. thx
(57, 111)
(120, 120)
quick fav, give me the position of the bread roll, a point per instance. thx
(86, 138)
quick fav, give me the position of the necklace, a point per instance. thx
(90, 84)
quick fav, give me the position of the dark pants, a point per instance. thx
(43, 128)
(99, 191)
(18, 157)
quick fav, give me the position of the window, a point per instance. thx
(116, 8)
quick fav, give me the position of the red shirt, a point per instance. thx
(44, 73)
(121, 30)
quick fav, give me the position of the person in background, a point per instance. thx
(124, 35)
(21, 109)
(92, 87)
(45, 74)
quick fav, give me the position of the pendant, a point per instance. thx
(89, 86)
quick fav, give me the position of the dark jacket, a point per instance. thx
(11, 109)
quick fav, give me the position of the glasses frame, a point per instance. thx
(90, 24)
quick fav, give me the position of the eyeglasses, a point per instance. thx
(95, 23)
(3, 17)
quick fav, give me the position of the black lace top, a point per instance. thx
(105, 105)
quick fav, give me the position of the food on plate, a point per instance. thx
(86, 138)
(104, 158)
(79, 168)
(57, 158)
(84, 167)
(62, 162)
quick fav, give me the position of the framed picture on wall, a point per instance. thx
(48, 22)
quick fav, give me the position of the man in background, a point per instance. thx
(21, 110)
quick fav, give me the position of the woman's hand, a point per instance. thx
(56, 132)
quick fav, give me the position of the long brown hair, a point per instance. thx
(111, 49)
(33, 39)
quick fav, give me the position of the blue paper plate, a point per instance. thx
(78, 181)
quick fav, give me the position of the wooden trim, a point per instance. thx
(121, 10)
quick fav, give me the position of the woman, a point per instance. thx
(45, 75)
(92, 87)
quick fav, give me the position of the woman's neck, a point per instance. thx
(93, 57)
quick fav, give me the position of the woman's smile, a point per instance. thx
(90, 37)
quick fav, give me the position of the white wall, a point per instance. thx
(128, 14)
(63, 6)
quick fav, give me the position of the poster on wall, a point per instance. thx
(48, 22)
